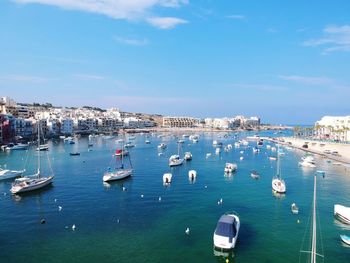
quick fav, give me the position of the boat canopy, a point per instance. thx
(226, 227)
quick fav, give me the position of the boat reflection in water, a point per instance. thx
(278, 195)
(223, 254)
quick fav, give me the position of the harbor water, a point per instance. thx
(140, 220)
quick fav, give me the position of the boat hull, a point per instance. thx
(117, 175)
(278, 186)
(345, 239)
(342, 213)
(42, 182)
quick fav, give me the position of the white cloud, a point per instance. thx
(117, 9)
(166, 22)
(308, 80)
(335, 38)
(88, 77)
(24, 78)
(237, 17)
(131, 41)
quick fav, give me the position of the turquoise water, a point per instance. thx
(113, 225)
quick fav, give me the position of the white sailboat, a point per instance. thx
(278, 184)
(120, 172)
(175, 159)
(33, 182)
(313, 253)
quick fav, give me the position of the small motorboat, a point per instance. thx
(230, 168)
(254, 174)
(342, 212)
(294, 208)
(273, 158)
(345, 239)
(167, 178)
(43, 147)
(147, 142)
(188, 156)
(129, 145)
(162, 146)
(192, 174)
(74, 153)
(226, 232)
(256, 150)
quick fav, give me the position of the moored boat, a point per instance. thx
(345, 239)
(9, 174)
(226, 231)
(342, 212)
(230, 168)
(294, 209)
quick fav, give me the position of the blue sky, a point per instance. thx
(285, 61)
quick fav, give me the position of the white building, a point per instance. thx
(67, 126)
(333, 128)
(180, 122)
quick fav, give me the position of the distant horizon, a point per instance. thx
(180, 57)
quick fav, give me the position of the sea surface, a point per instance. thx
(146, 221)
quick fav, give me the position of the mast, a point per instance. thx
(314, 232)
(278, 161)
(38, 149)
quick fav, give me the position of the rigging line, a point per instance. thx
(305, 233)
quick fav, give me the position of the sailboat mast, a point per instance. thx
(278, 161)
(39, 148)
(314, 242)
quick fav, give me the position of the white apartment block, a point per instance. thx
(333, 128)
(180, 122)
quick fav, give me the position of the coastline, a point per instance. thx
(317, 147)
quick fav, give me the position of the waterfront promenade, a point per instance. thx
(318, 147)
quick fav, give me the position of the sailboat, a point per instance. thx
(313, 253)
(175, 159)
(120, 172)
(32, 182)
(278, 184)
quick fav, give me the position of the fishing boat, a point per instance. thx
(313, 253)
(9, 174)
(230, 168)
(226, 231)
(345, 239)
(119, 172)
(278, 184)
(342, 213)
(294, 209)
(254, 174)
(33, 182)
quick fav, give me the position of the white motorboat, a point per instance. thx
(226, 231)
(180, 141)
(119, 172)
(294, 208)
(244, 142)
(129, 145)
(254, 174)
(192, 174)
(230, 167)
(147, 142)
(9, 174)
(273, 158)
(34, 182)
(188, 156)
(256, 150)
(215, 142)
(278, 184)
(162, 146)
(19, 146)
(167, 178)
(307, 161)
(345, 239)
(217, 150)
(42, 147)
(268, 147)
(237, 144)
(342, 212)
